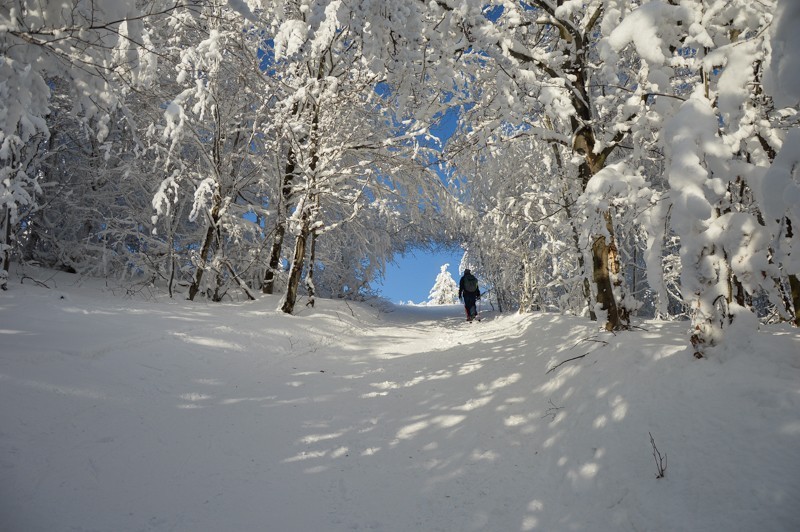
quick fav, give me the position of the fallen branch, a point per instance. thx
(580, 356)
(40, 283)
(241, 283)
(592, 340)
(565, 361)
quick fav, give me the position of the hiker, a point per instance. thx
(469, 293)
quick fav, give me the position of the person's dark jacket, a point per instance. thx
(461, 290)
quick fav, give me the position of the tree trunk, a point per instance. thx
(5, 243)
(794, 283)
(622, 318)
(201, 263)
(172, 269)
(268, 286)
(587, 289)
(204, 250)
(219, 280)
(311, 199)
(602, 280)
(296, 270)
(310, 271)
(526, 300)
(605, 257)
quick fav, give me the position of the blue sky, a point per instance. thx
(412, 278)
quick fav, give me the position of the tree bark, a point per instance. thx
(794, 283)
(311, 199)
(605, 256)
(602, 280)
(587, 289)
(312, 257)
(5, 229)
(268, 286)
(204, 250)
(201, 264)
(296, 270)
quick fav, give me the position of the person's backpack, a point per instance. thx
(470, 283)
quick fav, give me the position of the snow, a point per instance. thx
(642, 28)
(290, 38)
(778, 190)
(735, 79)
(782, 77)
(143, 413)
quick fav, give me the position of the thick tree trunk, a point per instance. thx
(296, 270)
(605, 262)
(605, 256)
(602, 279)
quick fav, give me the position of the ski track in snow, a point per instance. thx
(130, 415)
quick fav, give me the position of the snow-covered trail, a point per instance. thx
(130, 416)
(121, 415)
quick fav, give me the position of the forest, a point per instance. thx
(612, 159)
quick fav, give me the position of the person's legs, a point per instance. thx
(469, 306)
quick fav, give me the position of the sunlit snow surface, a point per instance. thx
(143, 413)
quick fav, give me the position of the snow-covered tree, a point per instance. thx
(96, 51)
(716, 140)
(778, 191)
(210, 140)
(609, 93)
(445, 289)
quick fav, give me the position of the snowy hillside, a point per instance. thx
(130, 413)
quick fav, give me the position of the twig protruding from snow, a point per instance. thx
(661, 462)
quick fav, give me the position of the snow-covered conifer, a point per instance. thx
(445, 289)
